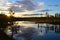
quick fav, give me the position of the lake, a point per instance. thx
(25, 30)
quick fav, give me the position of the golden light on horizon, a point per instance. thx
(7, 15)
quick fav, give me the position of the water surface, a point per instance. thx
(35, 31)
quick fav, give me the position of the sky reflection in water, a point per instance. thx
(31, 31)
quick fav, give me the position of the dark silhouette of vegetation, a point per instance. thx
(3, 21)
(3, 25)
(51, 19)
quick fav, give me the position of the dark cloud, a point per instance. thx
(17, 9)
(55, 5)
(25, 5)
(45, 10)
(32, 14)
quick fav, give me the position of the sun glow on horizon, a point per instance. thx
(7, 14)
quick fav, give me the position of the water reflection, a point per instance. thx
(24, 30)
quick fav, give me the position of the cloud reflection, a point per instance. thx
(28, 34)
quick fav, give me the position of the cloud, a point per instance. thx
(4, 5)
(2, 2)
(21, 14)
(18, 6)
(8, 4)
(21, 6)
(45, 10)
(55, 5)
(41, 3)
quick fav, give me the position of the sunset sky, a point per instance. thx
(30, 6)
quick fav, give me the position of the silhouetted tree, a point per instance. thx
(3, 25)
(11, 12)
(3, 21)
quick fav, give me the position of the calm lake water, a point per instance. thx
(24, 30)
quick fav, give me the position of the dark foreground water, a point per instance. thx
(24, 30)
